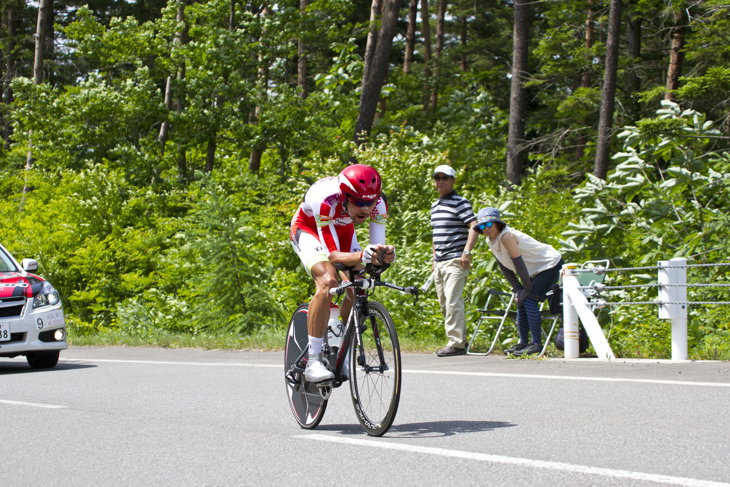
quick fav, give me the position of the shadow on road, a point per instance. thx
(444, 428)
(431, 429)
(24, 368)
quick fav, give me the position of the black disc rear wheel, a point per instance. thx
(375, 380)
(307, 404)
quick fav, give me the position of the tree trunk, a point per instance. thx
(372, 39)
(175, 102)
(257, 151)
(49, 50)
(463, 39)
(232, 15)
(165, 127)
(44, 11)
(182, 164)
(410, 35)
(585, 80)
(7, 92)
(608, 91)
(427, 58)
(676, 52)
(516, 154)
(433, 103)
(633, 81)
(210, 154)
(376, 71)
(302, 57)
(182, 161)
(259, 146)
(254, 158)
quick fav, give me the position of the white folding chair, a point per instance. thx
(592, 273)
(497, 308)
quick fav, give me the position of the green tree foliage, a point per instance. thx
(669, 196)
(134, 247)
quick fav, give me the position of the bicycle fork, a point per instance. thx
(361, 327)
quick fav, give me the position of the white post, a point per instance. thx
(673, 289)
(579, 302)
(570, 317)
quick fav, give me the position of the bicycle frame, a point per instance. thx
(342, 352)
(354, 328)
(358, 311)
(374, 372)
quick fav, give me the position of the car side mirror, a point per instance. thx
(30, 265)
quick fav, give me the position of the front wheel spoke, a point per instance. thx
(377, 394)
(372, 393)
(377, 386)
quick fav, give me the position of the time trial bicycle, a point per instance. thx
(368, 357)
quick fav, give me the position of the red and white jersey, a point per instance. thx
(323, 215)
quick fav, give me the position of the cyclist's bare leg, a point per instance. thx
(325, 278)
(346, 305)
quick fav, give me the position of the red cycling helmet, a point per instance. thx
(360, 182)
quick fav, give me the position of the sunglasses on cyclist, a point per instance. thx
(484, 225)
(361, 203)
(441, 178)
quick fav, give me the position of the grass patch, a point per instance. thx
(262, 340)
(273, 340)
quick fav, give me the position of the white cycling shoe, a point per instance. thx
(317, 372)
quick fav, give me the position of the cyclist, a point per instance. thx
(323, 234)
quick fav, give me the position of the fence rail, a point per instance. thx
(672, 288)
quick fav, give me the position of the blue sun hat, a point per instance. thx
(486, 217)
(488, 214)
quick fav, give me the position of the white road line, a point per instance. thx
(161, 362)
(520, 462)
(572, 377)
(32, 404)
(427, 372)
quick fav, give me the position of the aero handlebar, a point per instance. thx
(371, 283)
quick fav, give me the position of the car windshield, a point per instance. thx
(6, 265)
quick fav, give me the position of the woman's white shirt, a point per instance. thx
(537, 256)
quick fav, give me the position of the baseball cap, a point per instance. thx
(444, 169)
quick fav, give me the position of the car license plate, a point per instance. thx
(4, 332)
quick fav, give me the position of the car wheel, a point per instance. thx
(43, 360)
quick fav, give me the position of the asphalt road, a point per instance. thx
(147, 416)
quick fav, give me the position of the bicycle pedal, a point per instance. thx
(324, 383)
(292, 377)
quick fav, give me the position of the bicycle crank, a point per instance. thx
(325, 389)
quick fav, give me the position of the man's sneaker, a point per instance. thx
(531, 349)
(515, 349)
(317, 372)
(450, 351)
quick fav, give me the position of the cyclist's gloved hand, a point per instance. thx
(367, 254)
(389, 255)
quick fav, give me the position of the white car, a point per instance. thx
(31, 314)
